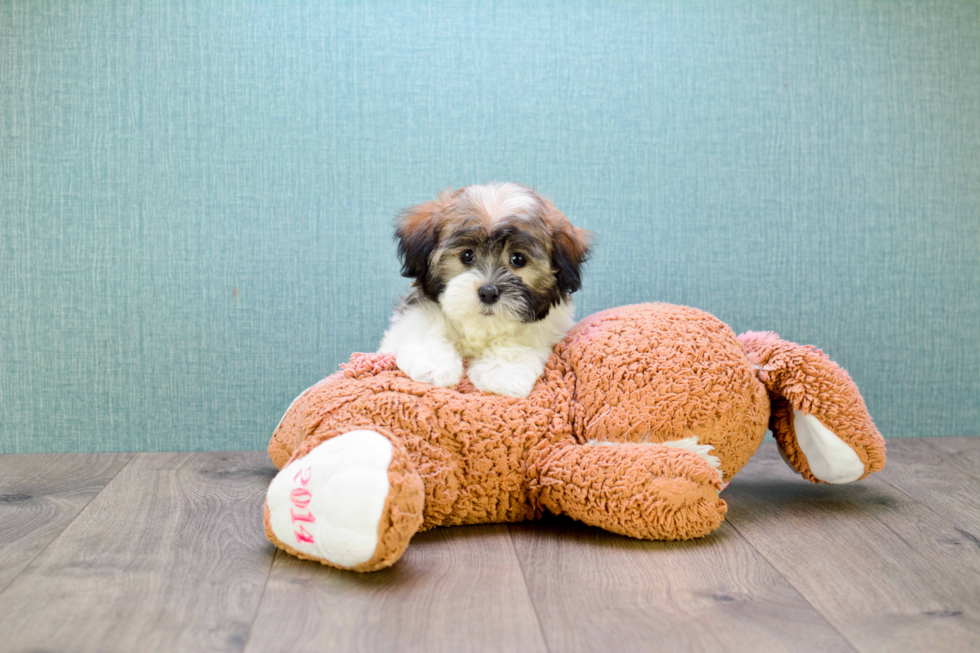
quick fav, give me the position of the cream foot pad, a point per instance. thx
(329, 503)
(830, 459)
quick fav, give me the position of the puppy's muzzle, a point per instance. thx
(488, 294)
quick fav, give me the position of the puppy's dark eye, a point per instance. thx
(467, 256)
(518, 260)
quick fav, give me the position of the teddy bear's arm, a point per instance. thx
(647, 491)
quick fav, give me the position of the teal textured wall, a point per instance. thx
(196, 197)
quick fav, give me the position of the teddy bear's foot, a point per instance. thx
(830, 459)
(818, 418)
(354, 502)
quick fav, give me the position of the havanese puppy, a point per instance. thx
(494, 267)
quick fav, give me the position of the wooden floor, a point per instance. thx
(165, 552)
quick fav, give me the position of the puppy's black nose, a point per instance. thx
(488, 294)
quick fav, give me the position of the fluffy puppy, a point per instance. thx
(494, 267)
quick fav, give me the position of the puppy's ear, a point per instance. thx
(417, 233)
(570, 248)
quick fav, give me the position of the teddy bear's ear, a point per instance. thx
(417, 233)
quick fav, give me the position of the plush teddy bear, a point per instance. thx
(642, 416)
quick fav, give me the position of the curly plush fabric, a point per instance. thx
(589, 440)
(801, 377)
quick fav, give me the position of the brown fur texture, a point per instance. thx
(586, 442)
(801, 377)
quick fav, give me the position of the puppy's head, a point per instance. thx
(491, 252)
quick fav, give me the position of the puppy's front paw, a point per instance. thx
(442, 368)
(503, 377)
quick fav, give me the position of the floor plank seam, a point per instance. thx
(3, 589)
(940, 514)
(953, 460)
(258, 607)
(527, 588)
(799, 591)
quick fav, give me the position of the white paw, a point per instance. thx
(329, 503)
(704, 450)
(503, 377)
(830, 459)
(433, 366)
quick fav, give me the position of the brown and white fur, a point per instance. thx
(494, 267)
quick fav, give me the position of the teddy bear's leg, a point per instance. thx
(353, 501)
(649, 491)
(818, 417)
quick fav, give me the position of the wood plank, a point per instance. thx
(40, 494)
(925, 472)
(455, 589)
(964, 452)
(596, 591)
(887, 571)
(171, 556)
